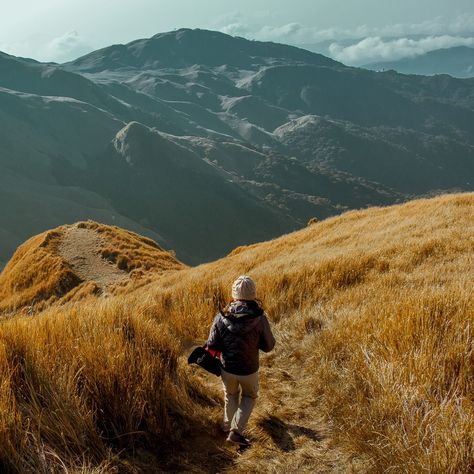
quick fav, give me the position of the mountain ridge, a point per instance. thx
(379, 138)
(183, 42)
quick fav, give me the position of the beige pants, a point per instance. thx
(240, 395)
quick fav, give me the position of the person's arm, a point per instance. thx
(214, 341)
(267, 340)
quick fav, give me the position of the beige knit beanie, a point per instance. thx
(244, 288)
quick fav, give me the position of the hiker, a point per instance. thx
(239, 332)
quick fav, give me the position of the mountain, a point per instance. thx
(372, 369)
(379, 154)
(457, 61)
(37, 133)
(186, 47)
(155, 134)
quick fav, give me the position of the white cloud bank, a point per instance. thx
(376, 49)
(371, 44)
(238, 25)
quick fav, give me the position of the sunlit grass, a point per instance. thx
(373, 369)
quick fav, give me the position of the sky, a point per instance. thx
(353, 31)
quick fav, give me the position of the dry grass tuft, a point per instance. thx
(36, 274)
(82, 383)
(373, 371)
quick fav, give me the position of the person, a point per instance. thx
(238, 333)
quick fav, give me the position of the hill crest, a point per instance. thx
(79, 260)
(88, 258)
(186, 47)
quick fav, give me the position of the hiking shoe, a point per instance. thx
(237, 438)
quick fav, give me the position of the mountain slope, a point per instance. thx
(372, 368)
(254, 130)
(40, 137)
(164, 184)
(294, 79)
(381, 155)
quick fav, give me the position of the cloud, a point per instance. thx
(460, 25)
(362, 44)
(43, 48)
(376, 49)
(289, 33)
(295, 33)
(66, 47)
(237, 29)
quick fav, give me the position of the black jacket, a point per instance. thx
(239, 335)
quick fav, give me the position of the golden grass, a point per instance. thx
(373, 369)
(131, 252)
(36, 273)
(37, 276)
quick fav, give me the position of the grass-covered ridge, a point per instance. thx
(40, 274)
(373, 368)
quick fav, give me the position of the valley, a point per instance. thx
(152, 134)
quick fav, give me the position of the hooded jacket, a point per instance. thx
(239, 334)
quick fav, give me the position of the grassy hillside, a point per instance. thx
(39, 275)
(373, 369)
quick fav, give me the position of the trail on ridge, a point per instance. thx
(81, 249)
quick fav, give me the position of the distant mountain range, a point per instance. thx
(204, 141)
(457, 62)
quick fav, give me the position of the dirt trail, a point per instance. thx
(285, 426)
(80, 248)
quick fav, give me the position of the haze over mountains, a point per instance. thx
(457, 61)
(204, 141)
